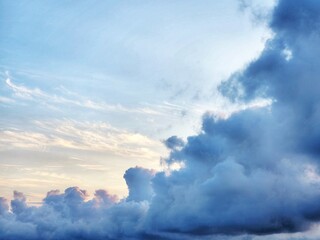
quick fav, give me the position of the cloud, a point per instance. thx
(139, 184)
(252, 173)
(25, 92)
(173, 142)
(88, 136)
(248, 173)
(6, 100)
(18, 204)
(4, 206)
(67, 98)
(70, 215)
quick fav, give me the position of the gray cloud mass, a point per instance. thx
(255, 172)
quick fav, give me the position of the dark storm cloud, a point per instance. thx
(255, 172)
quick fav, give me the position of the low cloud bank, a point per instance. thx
(256, 172)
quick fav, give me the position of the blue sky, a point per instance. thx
(130, 74)
(160, 120)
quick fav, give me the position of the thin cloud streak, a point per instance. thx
(39, 95)
(89, 136)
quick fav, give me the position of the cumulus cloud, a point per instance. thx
(173, 142)
(139, 184)
(4, 206)
(248, 173)
(254, 172)
(69, 215)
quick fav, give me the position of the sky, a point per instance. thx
(160, 120)
(91, 88)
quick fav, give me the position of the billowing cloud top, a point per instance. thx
(255, 172)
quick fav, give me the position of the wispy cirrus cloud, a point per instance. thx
(221, 108)
(87, 136)
(25, 92)
(68, 97)
(6, 100)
